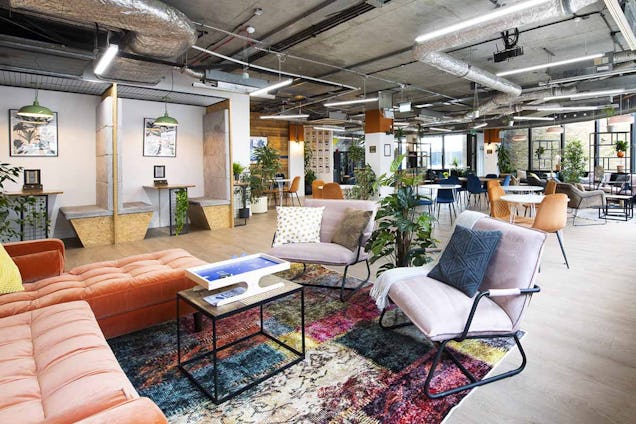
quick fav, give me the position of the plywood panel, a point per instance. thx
(277, 133)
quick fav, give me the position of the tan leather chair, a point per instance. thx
(332, 191)
(293, 189)
(499, 209)
(315, 191)
(550, 187)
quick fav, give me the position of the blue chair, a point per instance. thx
(506, 181)
(446, 196)
(454, 179)
(475, 188)
(491, 175)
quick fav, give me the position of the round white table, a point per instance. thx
(522, 189)
(518, 199)
(436, 187)
(281, 182)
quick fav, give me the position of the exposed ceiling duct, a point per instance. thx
(429, 51)
(153, 29)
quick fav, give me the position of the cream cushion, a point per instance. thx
(298, 225)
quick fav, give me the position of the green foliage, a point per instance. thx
(621, 146)
(237, 168)
(17, 211)
(263, 171)
(504, 162)
(356, 154)
(310, 175)
(365, 187)
(181, 210)
(539, 152)
(573, 162)
(402, 234)
(454, 163)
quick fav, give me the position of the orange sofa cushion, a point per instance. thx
(58, 368)
(110, 287)
(39, 265)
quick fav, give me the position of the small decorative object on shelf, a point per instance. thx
(32, 180)
(160, 175)
(621, 148)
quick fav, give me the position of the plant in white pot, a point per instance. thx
(262, 172)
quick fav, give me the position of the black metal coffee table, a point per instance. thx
(194, 298)
(617, 206)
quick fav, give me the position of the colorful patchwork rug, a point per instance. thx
(354, 371)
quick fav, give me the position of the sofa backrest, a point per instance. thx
(514, 265)
(335, 212)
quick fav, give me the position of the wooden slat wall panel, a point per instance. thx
(277, 133)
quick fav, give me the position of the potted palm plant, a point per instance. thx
(262, 172)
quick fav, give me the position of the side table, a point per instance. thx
(215, 389)
(623, 209)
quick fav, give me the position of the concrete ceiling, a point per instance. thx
(367, 45)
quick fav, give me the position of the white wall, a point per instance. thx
(297, 164)
(137, 169)
(379, 163)
(73, 170)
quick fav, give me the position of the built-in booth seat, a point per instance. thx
(208, 213)
(94, 225)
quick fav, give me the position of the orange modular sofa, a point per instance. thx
(58, 368)
(125, 295)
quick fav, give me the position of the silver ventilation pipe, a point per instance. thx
(429, 51)
(154, 30)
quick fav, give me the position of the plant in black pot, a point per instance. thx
(403, 234)
(262, 173)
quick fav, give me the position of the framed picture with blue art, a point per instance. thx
(159, 141)
(254, 143)
(31, 137)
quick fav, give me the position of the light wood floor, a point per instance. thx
(581, 341)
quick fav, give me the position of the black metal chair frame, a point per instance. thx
(474, 382)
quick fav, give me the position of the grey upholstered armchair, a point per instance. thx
(580, 199)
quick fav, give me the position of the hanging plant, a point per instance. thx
(181, 210)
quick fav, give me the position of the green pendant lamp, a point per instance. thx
(166, 120)
(36, 111)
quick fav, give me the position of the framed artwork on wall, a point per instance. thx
(159, 141)
(160, 171)
(387, 150)
(32, 177)
(30, 137)
(254, 143)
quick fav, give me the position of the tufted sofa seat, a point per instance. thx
(57, 368)
(125, 295)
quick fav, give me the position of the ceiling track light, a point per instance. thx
(264, 90)
(587, 94)
(498, 13)
(351, 102)
(296, 116)
(550, 65)
(106, 59)
(532, 118)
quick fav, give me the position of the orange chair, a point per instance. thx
(315, 191)
(293, 189)
(492, 183)
(332, 191)
(550, 187)
(499, 208)
(552, 217)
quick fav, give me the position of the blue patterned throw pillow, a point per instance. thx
(465, 259)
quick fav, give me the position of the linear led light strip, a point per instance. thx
(351, 102)
(483, 124)
(264, 90)
(563, 108)
(621, 21)
(498, 13)
(550, 65)
(532, 118)
(106, 59)
(439, 129)
(297, 116)
(330, 128)
(588, 76)
(586, 94)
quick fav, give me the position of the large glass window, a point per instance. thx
(436, 142)
(454, 146)
(546, 148)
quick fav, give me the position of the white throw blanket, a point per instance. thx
(381, 287)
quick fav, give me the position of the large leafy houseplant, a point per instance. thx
(263, 171)
(181, 210)
(310, 175)
(573, 162)
(504, 160)
(402, 235)
(365, 187)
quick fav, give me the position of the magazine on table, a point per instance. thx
(214, 299)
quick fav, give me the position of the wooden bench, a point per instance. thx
(209, 213)
(94, 225)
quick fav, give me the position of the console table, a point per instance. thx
(172, 192)
(41, 207)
